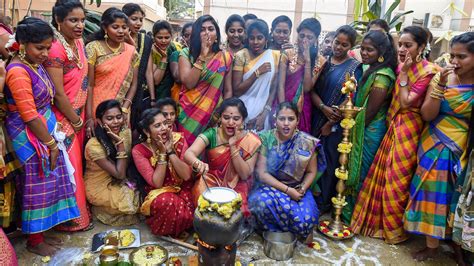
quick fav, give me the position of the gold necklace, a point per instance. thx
(34, 68)
(71, 54)
(114, 50)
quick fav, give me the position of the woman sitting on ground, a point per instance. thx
(168, 205)
(115, 200)
(230, 153)
(286, 168)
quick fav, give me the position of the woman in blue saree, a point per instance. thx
(286, 168)
(327, 93)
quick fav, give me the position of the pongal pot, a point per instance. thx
(218, 219)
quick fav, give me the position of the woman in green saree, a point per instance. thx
(379, 62)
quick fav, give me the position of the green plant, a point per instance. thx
(92, 22)
(97, 2)
(367, 10)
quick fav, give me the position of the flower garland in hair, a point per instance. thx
(427, 50)
(12, 45)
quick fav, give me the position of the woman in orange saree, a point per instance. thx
(67, 67)
(230, 153)
(113, 65)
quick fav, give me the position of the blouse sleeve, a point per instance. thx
(91, 53)
(382, 82)
(174, 56)
(19, 82)
(239, 61)
(56, 57)
(264, 147)
(135, 60)
(421, 85)
(145, 169)
(94, 150)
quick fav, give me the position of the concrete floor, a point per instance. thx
(356, 251)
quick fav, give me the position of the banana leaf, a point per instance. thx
(388, 14)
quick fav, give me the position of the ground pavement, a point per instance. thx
(356, 251)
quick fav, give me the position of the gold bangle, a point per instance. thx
(162, 157)
(127, 100)
(193, 165)
(50, 142)
(125, 110)
(121, 155)
(198, 66)
(53, 147)
(78, 123)
(162, 65)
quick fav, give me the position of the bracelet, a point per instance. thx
(78, 124)
(198, 66)
(162, 65)
(125, 110)
(50, 142)
(321, 106)
(171, 152)
(287, 187)
(193, 165)
(162, 157)
(257, 73)
(121, 155)
(53, 147)
(127, 100)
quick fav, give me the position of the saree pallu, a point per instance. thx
(328, 87)
(256, 97)
(384, 194)
(113, 72)
(196, 106)
(222, 172)
(287, 162)
(75, 88)
(295, 94)
(163, 89)
(436, 185)
(169, 209)
(47, 197)
(366, 139)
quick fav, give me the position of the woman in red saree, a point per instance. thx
(168, 204)
(67, 67)
(230, 153)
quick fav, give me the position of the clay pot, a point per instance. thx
(214, 229)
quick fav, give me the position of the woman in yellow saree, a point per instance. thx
(113, 65)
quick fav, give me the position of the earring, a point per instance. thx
(148, 139)
(59, 27)
(215, 41)
(418, 58)
(106, 36)
(381, 59)
(242, 127)
(22, 52)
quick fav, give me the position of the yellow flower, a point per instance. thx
(214, 206)
(226, 210)
(341, 175)
(344, 147)
(347, 123)
(202, 203)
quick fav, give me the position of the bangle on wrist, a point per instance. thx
(78, 124)
(170, 152)
(127, 100)
(51, 142)
(198, 66)
(321, 106)
(125, 110)
(257, 73)
(287, 187)
(121, 155)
